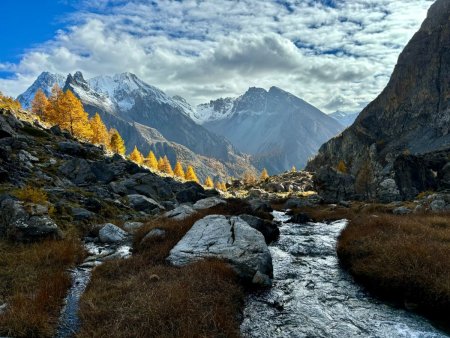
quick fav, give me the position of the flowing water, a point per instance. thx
(313, 297)
(69, 322)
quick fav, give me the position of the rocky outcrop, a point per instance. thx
(410, 118)
(227, 238)
(110, 233)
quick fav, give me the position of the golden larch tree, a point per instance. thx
(293, 169)
(167, 167)
(151, 161)
(100, 134)
(264, 175)
(136, 156)
(52, 113)
(116, 143)
(224, 186)
(190, 174)
(209, 182)
(178, 170)
(249, 177)
(161, 164)
(39, 104)
(9, 102)
(72, 117)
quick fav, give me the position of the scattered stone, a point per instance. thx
(181, 212)
(132, 227)
(155, 234)
(228, 238)
(300, 218)
(208, 203)
(111, 233)
(438, 205)
(81, 214)
(143, 203)
(401, 211)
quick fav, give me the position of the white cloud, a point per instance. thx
(336, 57)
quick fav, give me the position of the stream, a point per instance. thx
(69, 322)
(313, 297)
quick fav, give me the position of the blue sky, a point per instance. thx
(336, 54)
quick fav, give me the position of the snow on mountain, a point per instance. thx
(45, 81)
(344, 118)
(277, 128)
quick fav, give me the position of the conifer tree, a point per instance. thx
(151, 161)
(52, 113)
(116, 143)
(178, 171)
(167, 168)
(249, 177)
(39, 104)
(136, 156)
(293, 169)
(9, 102)
(264, 175)
(72, 117)
(161, 164)
(190, 174)
(209, 182)
(218, 186)
(99, 132)
(224, 186)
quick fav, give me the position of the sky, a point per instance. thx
(336, 54)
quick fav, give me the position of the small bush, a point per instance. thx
(31, 194)
(342, 167)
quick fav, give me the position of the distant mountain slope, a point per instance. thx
(147, 117)
(277, 128)
(344, 118)
(45, 81)
(410, 117)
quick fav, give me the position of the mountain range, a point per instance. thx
(278, 129)
(275, 128)
(148, 118)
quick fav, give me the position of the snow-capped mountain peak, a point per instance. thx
(44, 81)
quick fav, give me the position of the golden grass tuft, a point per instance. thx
(31, 194)
(34, 281)
(404, 258)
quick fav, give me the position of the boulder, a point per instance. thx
(401, 211)
(208, 203)
(300, 218)
(81, 214)
(190, 193)
(154, 234)
(110, 233)
(19, 224)
(275, 187)
(260, 206)
(227, 238)
(333, 185)
(294, 203)
(143, 203)
(132, 227)
(269, 229)
(388, 191)
(78, 171)
(181, 212)
(438, 205)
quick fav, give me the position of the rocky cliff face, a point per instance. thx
(277, 128)
(410, 117)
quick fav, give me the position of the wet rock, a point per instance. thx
(143, 203)
(181, 212)
(300, 218)
(18, 224)
(111, 233)
(401, 211)
(132, 227)
(269, 229)
(228, 238)
(208, 203)
(261, 280)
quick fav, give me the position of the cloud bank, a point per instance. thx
(336, 54)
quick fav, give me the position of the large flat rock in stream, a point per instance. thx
(228, 238)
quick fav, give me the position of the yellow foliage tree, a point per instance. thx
(167, 168)
(342, 167)
(51, 112)
(73, 117)
(249, 178)
(264, 175)
(190, 174)
(116, 143)
(178, 171)
(39, 104)
(136, 156)
(99, 132)
(293, 169)
(224, 186)
(9, 102)
(209, 182)
(161, 164)
(151, 161)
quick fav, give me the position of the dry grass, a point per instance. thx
(33, 283)
(404, 258)
(31, 194)
(146, 297)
